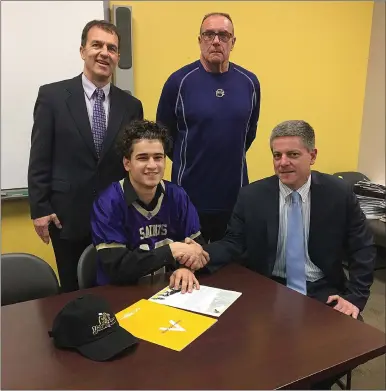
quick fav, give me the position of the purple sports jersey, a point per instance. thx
(116, 224)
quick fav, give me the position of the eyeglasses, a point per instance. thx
(223, 36)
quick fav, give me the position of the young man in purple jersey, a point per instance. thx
(140, 224)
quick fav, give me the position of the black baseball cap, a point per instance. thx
(88, 325)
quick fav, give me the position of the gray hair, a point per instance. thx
(225, 15)
(298, 128)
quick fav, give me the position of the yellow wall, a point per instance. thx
(18, 234)
(310, 57)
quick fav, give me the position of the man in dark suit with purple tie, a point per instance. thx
(72, 155)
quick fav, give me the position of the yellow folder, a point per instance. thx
(166, 326)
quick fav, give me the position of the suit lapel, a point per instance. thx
(272, 203)
(115, 120)
(77, 107)
(319, 197)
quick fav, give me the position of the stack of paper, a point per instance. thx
(372, 199)
(206, 300)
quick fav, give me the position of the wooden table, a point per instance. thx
(271, 337)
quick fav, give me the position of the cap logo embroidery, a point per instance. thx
(105, 321)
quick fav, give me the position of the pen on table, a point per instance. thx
(173, 291)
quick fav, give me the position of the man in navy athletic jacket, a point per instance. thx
(211, 108)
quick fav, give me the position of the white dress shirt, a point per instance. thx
(313, 273)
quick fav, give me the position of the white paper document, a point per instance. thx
(206, 300)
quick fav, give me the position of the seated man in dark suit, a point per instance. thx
(296, 227)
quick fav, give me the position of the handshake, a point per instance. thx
(189, 254)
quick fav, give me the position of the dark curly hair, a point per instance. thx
(141, 130)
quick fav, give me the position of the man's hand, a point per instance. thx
(190, 255)
(195, 263)
(185, 278)
(344, 306)
(41, 226)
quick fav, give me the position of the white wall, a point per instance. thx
(371, 160)
(40, 43)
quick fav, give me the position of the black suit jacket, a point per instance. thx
(338, 229)
(64, 173)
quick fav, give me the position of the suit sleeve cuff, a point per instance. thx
(359, 302)
(165, 253)
(41, 210)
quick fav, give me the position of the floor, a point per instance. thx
(372, 375)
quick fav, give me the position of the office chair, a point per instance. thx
(346, 386)
(351, 177)
(87, 268)
(26, 277)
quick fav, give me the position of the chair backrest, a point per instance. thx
(26, 277)
(351, 177)
(87, 268)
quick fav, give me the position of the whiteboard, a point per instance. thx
(40, 43)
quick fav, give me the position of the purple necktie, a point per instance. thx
(98, 121)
